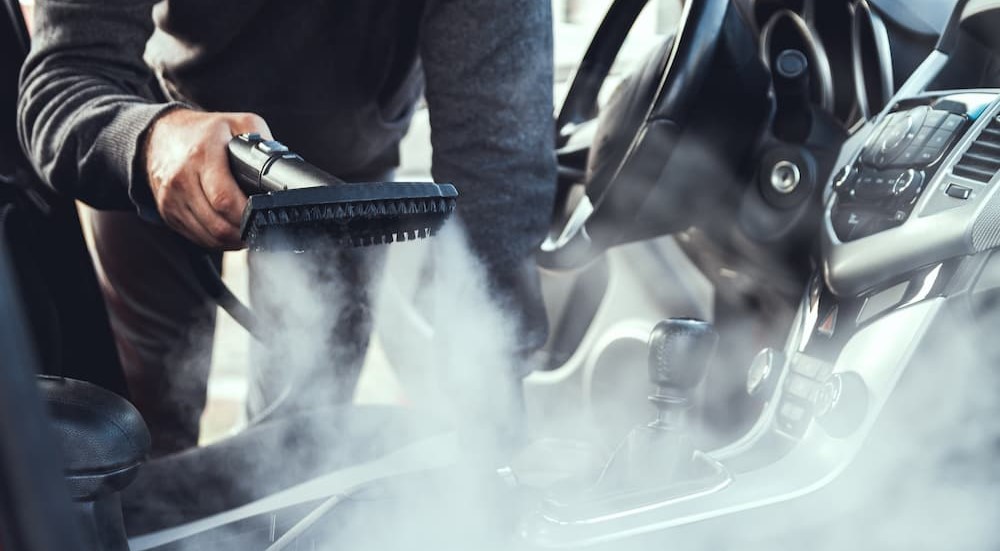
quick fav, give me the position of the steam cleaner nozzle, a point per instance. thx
(294, 205)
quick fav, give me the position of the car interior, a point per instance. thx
(771, 282)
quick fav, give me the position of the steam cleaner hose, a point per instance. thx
(211, 281)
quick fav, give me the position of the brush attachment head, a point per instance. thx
(294, 205)
(346, 215)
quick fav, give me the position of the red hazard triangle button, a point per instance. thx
(829, 323)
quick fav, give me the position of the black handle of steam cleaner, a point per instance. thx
(259, 166)
(262, 166)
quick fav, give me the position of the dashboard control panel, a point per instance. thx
(879, 190)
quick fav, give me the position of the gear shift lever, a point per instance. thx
(662, 451)
(679, 352)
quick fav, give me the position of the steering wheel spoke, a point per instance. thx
(699, 96)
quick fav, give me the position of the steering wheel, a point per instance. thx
(629, 145)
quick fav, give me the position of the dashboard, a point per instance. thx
(912, 182)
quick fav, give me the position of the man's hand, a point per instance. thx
(188, 168)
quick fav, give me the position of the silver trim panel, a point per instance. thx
(863, 13)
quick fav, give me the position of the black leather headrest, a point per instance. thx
(102, 435)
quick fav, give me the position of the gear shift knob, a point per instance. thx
(662, 451)
(679, 352)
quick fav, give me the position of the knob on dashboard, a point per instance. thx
(791, 72)
(907, 181)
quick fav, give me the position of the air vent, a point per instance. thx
(982, 161)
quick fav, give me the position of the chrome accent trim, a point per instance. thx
(575, 225)
(785, 177)
(883, 54)
(925, 288)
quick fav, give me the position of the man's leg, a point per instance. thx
(316, 317)
(162, 321)
(315, 308)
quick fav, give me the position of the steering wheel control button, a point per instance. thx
(958, 192)
(785, 177)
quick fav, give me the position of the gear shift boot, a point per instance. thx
(662, 451)
(657, 463)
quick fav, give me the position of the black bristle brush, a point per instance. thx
(295, 205)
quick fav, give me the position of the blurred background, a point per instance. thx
(574, 24)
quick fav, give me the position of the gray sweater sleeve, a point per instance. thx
(488, 65)
(84, 104)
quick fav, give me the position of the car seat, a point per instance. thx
(41, 231)
(63, 325)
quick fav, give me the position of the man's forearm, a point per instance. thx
(84, 104)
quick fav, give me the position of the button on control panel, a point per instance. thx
(919, 136)
(958, 192)
(802, 394)
(879, 191)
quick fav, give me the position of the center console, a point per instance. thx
(880, 189)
